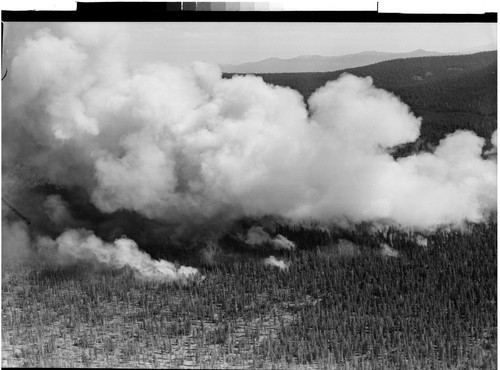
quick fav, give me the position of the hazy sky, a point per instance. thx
(225, 42)
(240, 42)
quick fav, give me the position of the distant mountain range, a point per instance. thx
(318, 63)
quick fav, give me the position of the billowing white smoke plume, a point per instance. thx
(387, 251)
(256, 235)
(185, 144)
(273, 261)
(74, 246)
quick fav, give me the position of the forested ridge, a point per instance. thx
(448, 92)
(337, 305)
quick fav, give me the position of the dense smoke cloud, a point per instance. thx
(82, 245)
(185, 146)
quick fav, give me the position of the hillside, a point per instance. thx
(449, 92)
(318, 63)
(344, 305)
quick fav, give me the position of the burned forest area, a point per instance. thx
(248, 231)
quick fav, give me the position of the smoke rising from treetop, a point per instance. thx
(185, 145)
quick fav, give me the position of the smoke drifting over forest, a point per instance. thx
(188, 152)
(74, 246)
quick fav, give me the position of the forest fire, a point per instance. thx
(174, 216)
(184, 152)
